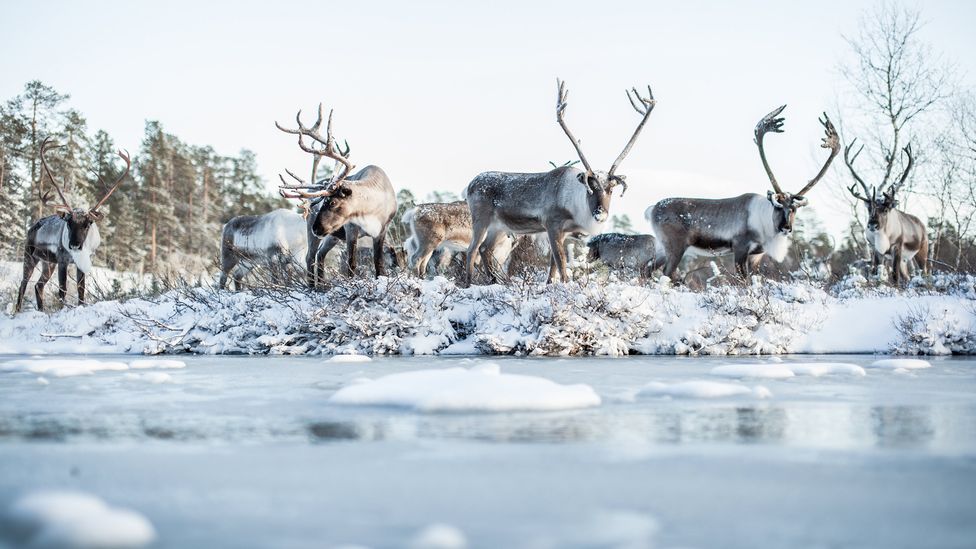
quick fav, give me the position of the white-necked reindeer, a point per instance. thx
(276, 240)
(444, 227)
(749, 226)
(345, 207)
(892, 233)
(559, 202)
(70, 236)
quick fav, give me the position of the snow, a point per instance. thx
(479, 389)
(345, 359)
(900, 364)
(609, 317)
(61, 367)
(439, 536)
(766, 371)
(818, 369)
(73, 520)
(701, 389)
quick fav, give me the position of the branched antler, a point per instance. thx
(643, 106)
(772, 122)
(329, 147)
(561, 104)
(46, 145)
(830, 141)
(128, 164)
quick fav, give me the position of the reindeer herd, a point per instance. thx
(499, 210)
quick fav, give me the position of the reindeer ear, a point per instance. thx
(581, 177)
(63, 212)
(344, 191)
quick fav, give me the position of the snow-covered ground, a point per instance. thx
(848, 451)
(598, 317)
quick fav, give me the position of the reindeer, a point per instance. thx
(444, 227)
(276, 239)
(622, 251)
(346, 206)
(70, 236)
(562, 201)
(891, 232)
(749, 226)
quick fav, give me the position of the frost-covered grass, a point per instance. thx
(598, 316)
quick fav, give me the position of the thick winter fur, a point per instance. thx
(748, 226)
(364, 205)
(896, 235)
(444, 227)
(276, 239)
(622, 251)
(558, 202)
(58, 241)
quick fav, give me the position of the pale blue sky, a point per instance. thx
(436, 92)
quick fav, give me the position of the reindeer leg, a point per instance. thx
(379, 261)
(478, 235)
(421, 257)
(81, 285)
(63, 282)
(47, 269)
(29, 264)
(557, 250)
(352, 238)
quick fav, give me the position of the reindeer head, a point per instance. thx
(878, 207)
(784, 203)
(77, 220)
(329, 201)
(599, 184)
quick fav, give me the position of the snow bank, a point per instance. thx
(74, 520)
(818, 369)
(595, 317)
(900, 363)
(479, 389)
(349, 358)
(61, 367)
(701, 389)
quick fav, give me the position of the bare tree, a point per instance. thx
(898, 82)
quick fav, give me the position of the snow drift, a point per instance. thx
(595, 317)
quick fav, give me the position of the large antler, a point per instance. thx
(643, 106)
(904, 176)
(128, 164)
(330, 150)
(560, 107)
(45, 145)
(772, 122)
(830, 141)
(849, 160)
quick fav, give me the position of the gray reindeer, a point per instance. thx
(892, 233)
(346, 207)
(749, 226)
(562, 201)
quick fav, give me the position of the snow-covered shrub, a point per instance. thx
(926, 333)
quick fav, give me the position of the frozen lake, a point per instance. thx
(250, 452)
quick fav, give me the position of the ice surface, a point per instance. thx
(479, 389)
(900, 364)
(61, 367)
(150, 377)
(701, 389)
(818, 369)
(156, 363)
(768, 371)
(61, 519)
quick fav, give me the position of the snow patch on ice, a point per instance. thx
(480, 389)
(701, 389)
(818, 369)
(901, 363)
(439, 536)
(61, 367)
(73, 519)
